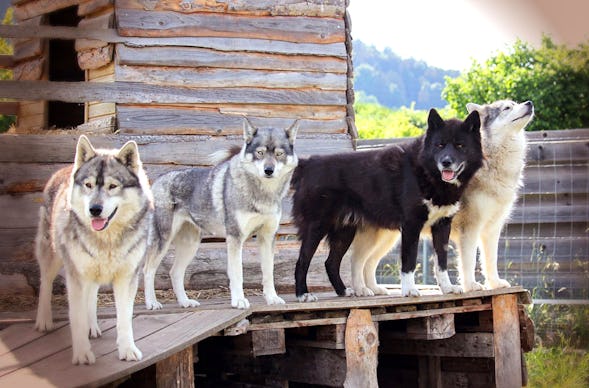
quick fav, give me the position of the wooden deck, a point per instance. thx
(299, 339)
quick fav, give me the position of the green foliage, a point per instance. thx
(375, 121)
(395, 82)
(557, 367)
(6, 49)
(554, 77)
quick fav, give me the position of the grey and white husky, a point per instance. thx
(95, 222)
(489, 198)
(239, 197)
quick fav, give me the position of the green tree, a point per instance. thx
(555, 78)
(6, 49)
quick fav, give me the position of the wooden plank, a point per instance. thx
(187, 150)
(320, 8)
(461, 345)
(431, 328)
(158, 121)
(202, 57)
(176, 370)
(131, 92)
(205, 77)
(88, 7)
(43, 347)
(31, 9)
(157, 336)
(506, 342)
(102, 21)
(561, 178)
(18, 335)
(165, 23)
(95, 58)
(268, 342)
(361, 350)
(6, 61)
(30, 70)
(8, 108)
(560, 151)
(216, 43)
(28, 49)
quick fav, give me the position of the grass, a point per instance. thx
(558, 366)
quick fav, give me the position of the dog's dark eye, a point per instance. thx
(260, 153)
(506, 108)
(112, 186)
(440, 145)
(279, 153)
(459, 145)
(88, 185)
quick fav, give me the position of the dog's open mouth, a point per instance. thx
(99, 224)
(449, 175)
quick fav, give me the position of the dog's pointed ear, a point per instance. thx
(473, 122)
(84, 152)
(129, 155)
(434, 120)
(291, 132)
(249, 131)
(471, 107)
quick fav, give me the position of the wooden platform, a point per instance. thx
(312, 343)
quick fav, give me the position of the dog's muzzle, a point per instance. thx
(99, 223)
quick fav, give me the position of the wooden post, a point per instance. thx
(176, 370)
(506, 341)
(361, 350)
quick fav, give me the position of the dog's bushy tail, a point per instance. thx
(221, 156)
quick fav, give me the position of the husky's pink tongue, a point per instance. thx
(447, 175)
(99, 223)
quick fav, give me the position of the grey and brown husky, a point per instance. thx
(239, 197)
(95, 221)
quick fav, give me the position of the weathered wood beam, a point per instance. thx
(8, 108)
(216, 43)
(6, 61)
(361, 350)
(131, 92)
(506, 341)
(300, 29)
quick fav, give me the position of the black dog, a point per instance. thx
(402, 187)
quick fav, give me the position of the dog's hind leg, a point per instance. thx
(48, 268)
(186, 243)
(265, 240)
(383, 242)
(440, 236)
(490, 244)
(310, 238)
(467, 249)
(125, 289)
(409, 241)
(235, 272)
(339, 242)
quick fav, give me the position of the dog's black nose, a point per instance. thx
(446, 161)
(268, 171)
(95, 210)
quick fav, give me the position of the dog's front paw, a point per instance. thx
(498, 283)
(364, 291)
(473, 286)
(95, 331)
(188, 303)
(240, 303)
(153, 305)
(130, 352)
(41, 324)
(379, 290)
(81, 357)
(451, 289)
(307, 297)
(274, 299)
(348, 292)
(412, 291)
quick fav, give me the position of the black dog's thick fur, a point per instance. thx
(386, 188)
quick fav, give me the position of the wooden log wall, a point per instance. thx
(545, 244)
(177, 77)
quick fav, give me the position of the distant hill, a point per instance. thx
(394, 82)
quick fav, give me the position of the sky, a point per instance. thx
(451, 33)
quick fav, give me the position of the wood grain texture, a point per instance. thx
(207, 77)
(303, 29)
(200, 57)
(361, 350)
(321, 8)
(506, 342)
